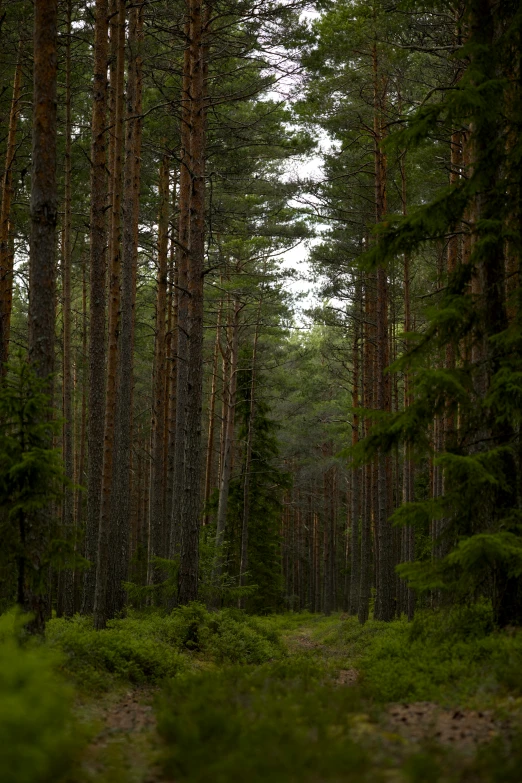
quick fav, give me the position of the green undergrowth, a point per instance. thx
(452, 657)
(499, 761)
(149, 647)
(39, 738)
(282, 722)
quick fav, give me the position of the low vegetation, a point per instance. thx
(260, 698)
(39, 739)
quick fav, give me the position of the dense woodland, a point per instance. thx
(260, 391)
(217, 441)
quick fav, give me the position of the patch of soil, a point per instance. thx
(347, 677)
(459, 728)
(131, 714)
(124, 749)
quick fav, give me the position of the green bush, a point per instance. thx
(126, 650)
(453, 657)
(38, 738)
(227, 636)
(280, 722)
(148, 648)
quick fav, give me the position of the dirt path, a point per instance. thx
(415, 722)
(125, 746)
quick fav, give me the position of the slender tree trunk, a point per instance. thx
(243, 566)
(68, 430)
(98, 274)
(121, 492)
(368, 387)
(228, 447)
(407, 604)
(82, 434)
(355, 570)
(157, 487)
(211, 417)
(191, 498)
(6, 257)
(105, 550)
(384, 602)
(183, 294)
(172, 393)
(42, 278)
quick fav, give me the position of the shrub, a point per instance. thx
(227, 636)
(147, 648)
(453, 656)
(127, 650)
(38, 738)
(280, 722)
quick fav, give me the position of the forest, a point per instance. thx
(260, 391)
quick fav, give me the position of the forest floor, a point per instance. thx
(126, 746)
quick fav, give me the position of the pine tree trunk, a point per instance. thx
(191, 498)
(6, 257)
(157, 486)
(105, 550)
(67, 581)
(172, 393)
(243, 565)
(355, 547)
(42, 279)
(121, 490)
(384, 601)
(183, 295)
(407, 554)
(367, 509)
(211, 418)
(228, 447)
(98, 274)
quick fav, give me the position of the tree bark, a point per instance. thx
(67, 582)
(228, 447)
(6, 257)
(42, 278)
(384, 600)
(243, 565)
(211, 417)
(105, 550)
(191, 498)
(183, 294)
(159, 417)
(98, 274)
(121, 492)
(368, 382)
(355, 546)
